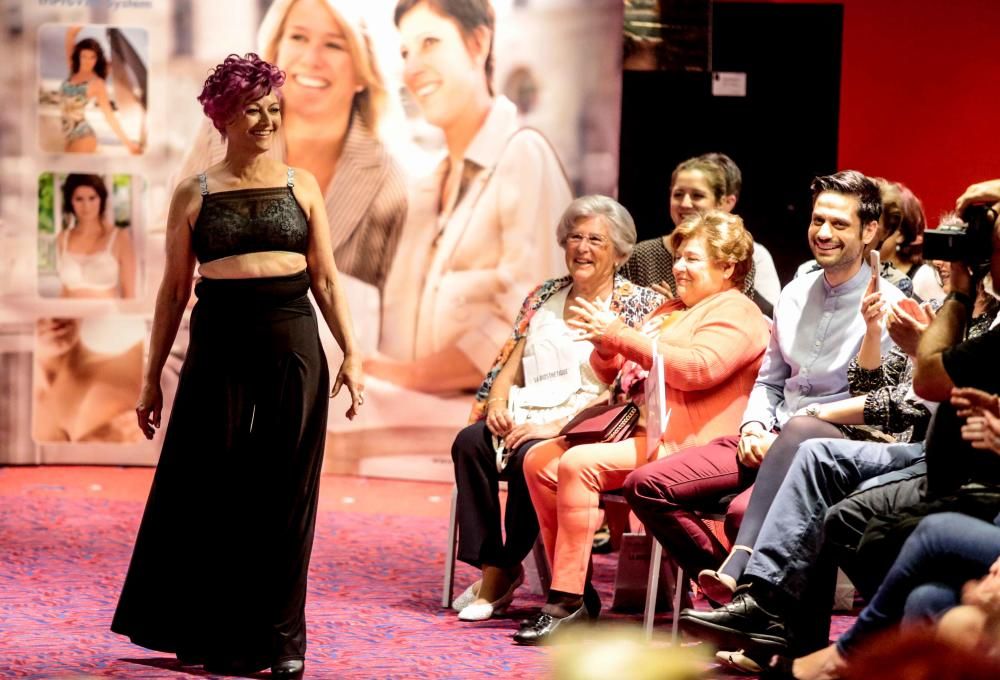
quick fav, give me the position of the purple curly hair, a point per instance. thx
(236, 82)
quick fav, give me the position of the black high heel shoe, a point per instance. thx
(289, 668)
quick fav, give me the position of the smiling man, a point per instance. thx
(818, 328)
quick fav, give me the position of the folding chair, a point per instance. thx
(537, 572)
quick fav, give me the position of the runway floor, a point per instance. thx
(374, 594)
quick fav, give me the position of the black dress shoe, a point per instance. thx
(289, 668)
(741, 624)
(543, 625)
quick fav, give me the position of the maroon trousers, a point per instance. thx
(667, 494)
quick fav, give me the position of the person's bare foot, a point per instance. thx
(826, 664)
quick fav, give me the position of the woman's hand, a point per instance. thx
(149, 408)
(663, 289)
(906, 322)
(529, 431)
(872, 310)
(592, 318)
(350, 374)
(499, 421)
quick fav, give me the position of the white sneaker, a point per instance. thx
(468, 597)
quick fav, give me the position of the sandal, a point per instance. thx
(717, 586)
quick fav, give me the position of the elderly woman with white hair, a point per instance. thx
(332, 102)
(541, 379)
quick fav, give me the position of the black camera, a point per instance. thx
(969, 240)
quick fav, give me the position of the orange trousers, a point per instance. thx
(565, 484)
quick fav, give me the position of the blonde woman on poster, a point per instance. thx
(88, 70)
(94, 258)
(332, 103)
(479, 231)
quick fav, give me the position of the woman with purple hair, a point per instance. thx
(218, 575)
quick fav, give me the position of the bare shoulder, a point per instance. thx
(305, 179)
(187, 198)
(306, 189)
(97, 86)
(124, 239)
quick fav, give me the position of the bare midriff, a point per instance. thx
(254, 265)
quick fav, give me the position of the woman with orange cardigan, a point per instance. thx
(712, 339)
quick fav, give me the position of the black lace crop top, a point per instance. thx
(249, 221)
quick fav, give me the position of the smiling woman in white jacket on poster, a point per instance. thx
(479, 233)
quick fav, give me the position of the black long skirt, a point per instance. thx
(220, 562)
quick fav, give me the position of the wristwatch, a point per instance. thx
(812, 410)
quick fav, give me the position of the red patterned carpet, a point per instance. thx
(373, 609)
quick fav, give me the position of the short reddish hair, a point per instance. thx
(236, 82)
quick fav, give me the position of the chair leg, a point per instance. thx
(678, 594)
(537, 571)
(652, 586)
(449, 553)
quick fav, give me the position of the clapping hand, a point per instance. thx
(906, 322)
(592, 319)
(969, 401)
(981, 411)
(663, 289)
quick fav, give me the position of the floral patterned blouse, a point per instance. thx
(632, 303)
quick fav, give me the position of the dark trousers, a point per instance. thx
(480, 541)
(846, 521)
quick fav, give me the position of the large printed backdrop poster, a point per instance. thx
(106, 122)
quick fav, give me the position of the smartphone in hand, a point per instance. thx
(876, 262)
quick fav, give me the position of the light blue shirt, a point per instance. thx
(817, 330)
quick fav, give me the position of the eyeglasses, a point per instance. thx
(595, 240)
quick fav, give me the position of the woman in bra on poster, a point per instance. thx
(94, 258)
(478, 236)
(88, 70)
(218, 574)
